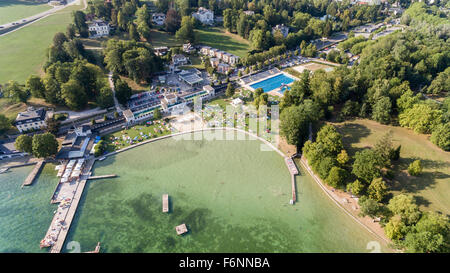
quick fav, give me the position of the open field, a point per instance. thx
(23, 51)
(432, 187)
(12, 10)
(161, 38)
(218, 38)
(312, 66)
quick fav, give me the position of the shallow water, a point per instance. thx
(25, 213)
(232, 196)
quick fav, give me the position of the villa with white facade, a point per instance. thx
(31, 120)
(98, 28)
(205, 16)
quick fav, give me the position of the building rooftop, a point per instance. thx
(31, 115)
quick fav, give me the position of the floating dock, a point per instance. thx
(35, 172)
(181, 229)
(165, 203)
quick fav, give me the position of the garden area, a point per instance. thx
(138, 133)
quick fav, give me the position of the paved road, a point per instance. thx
(34, 18)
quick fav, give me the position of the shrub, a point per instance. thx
(415, 168)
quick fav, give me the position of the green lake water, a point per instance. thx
(25, 213)
(232, 197)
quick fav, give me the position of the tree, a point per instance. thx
(230, 90)
(105, 97)
(367, 165)
(74, 95)
(441, 136)
(52, 126)
(395, 229)
(294, 125)
(59, 39)
(441, 83)
(405, 206)
(5, 124)
(16, 92)
(79, 19)
(369, 207)
(132, 32)
(377, 189)
(172, 22)
(424, 242)
(421, 118)
(23, 143)
(157, 114)
(415, 168)
(356, 187)
(343, 157)
(323, 168)
(44, 145)
(382, 110)
(35, 86)
(329, 136)
(123, 91)
(336, 177)
(186, 31)
(383, 147)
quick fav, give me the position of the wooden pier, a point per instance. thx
(56, 248)
(96, 250)
(102, 176)
(35, 172)
(294, 171)
(165, 203)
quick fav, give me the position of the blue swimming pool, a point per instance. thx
(273, 82)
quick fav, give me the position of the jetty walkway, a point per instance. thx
(65, 213)
(35, 172)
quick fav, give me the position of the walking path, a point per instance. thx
(111, 84)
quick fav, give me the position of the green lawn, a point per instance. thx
(432, 187)
(218, 38)
(119, 140)
(161, 38)
(23, 51)
(12, 10)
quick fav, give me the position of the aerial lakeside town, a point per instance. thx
(172, 126)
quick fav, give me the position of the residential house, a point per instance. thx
(179, 59)
(160, 51)
(98, 28)
(205, 16)
(281, 28)
(249, 12)
(188, 48)
(31, 120)
(158, 18)
(223, 68)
